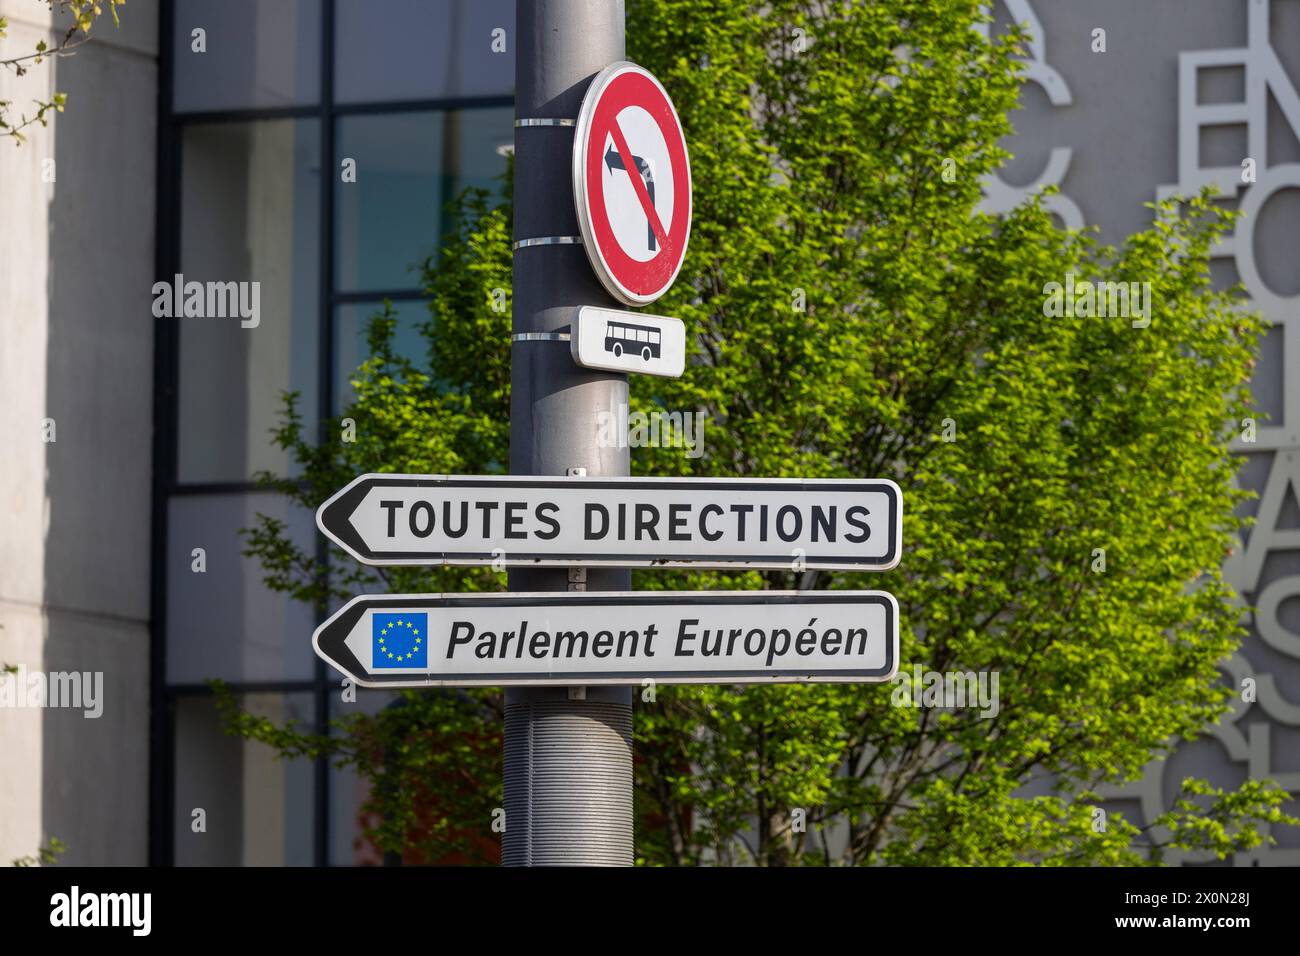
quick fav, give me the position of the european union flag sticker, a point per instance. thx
(399, 640)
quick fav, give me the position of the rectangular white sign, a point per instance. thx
(777, 523)
(628, 342)
(616, 637)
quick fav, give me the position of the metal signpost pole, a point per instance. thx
(568, 752)
(602, 217)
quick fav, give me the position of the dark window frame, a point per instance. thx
(165, 485)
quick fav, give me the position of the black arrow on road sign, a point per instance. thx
(388, 520)
(351, 639)
(615, 161)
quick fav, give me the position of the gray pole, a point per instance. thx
(568, 752)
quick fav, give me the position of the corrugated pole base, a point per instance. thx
(568, 778)
(568, 756)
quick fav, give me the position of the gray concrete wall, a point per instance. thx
(1126, 127)
(76, 346)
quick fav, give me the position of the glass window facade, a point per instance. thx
(262, 108)
(250, 213)
(350, 348)
(222, 621)
(408, 167)
(236, 803)
(419, 50)
(243, 54)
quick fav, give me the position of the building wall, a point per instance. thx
(270, 100)
(1183, 93)
(1113, 129)
(76, 346)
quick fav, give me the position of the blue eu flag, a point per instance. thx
(399, 640)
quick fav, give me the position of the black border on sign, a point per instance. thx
(585, 315)
(329, 639)
(333, 520)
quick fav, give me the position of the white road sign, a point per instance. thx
(631, 183)
(628, 342)
(843, 524)
(616, 637)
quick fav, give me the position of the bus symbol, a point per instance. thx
(634, 339)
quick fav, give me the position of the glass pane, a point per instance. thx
(349, 791)
(351, 348)
(250, 213)
(249, 54)
(428, 50)
(408, 166)
(257, 810)
(223, 621)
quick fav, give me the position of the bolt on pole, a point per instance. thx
(568, 752)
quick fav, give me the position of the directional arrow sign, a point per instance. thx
(775, 523)
(615, 637)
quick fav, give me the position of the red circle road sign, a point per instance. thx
(632, 183)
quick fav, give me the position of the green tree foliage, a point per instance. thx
(852, 315)
(47, 855)
(77, 16)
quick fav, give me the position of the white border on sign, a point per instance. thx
(672, 332)
(594, 680)
(698, 564)
(581, 133)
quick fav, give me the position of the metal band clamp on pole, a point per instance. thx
(568, 756)
(548, 241)
(541, 337)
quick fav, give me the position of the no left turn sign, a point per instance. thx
(632, 183)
